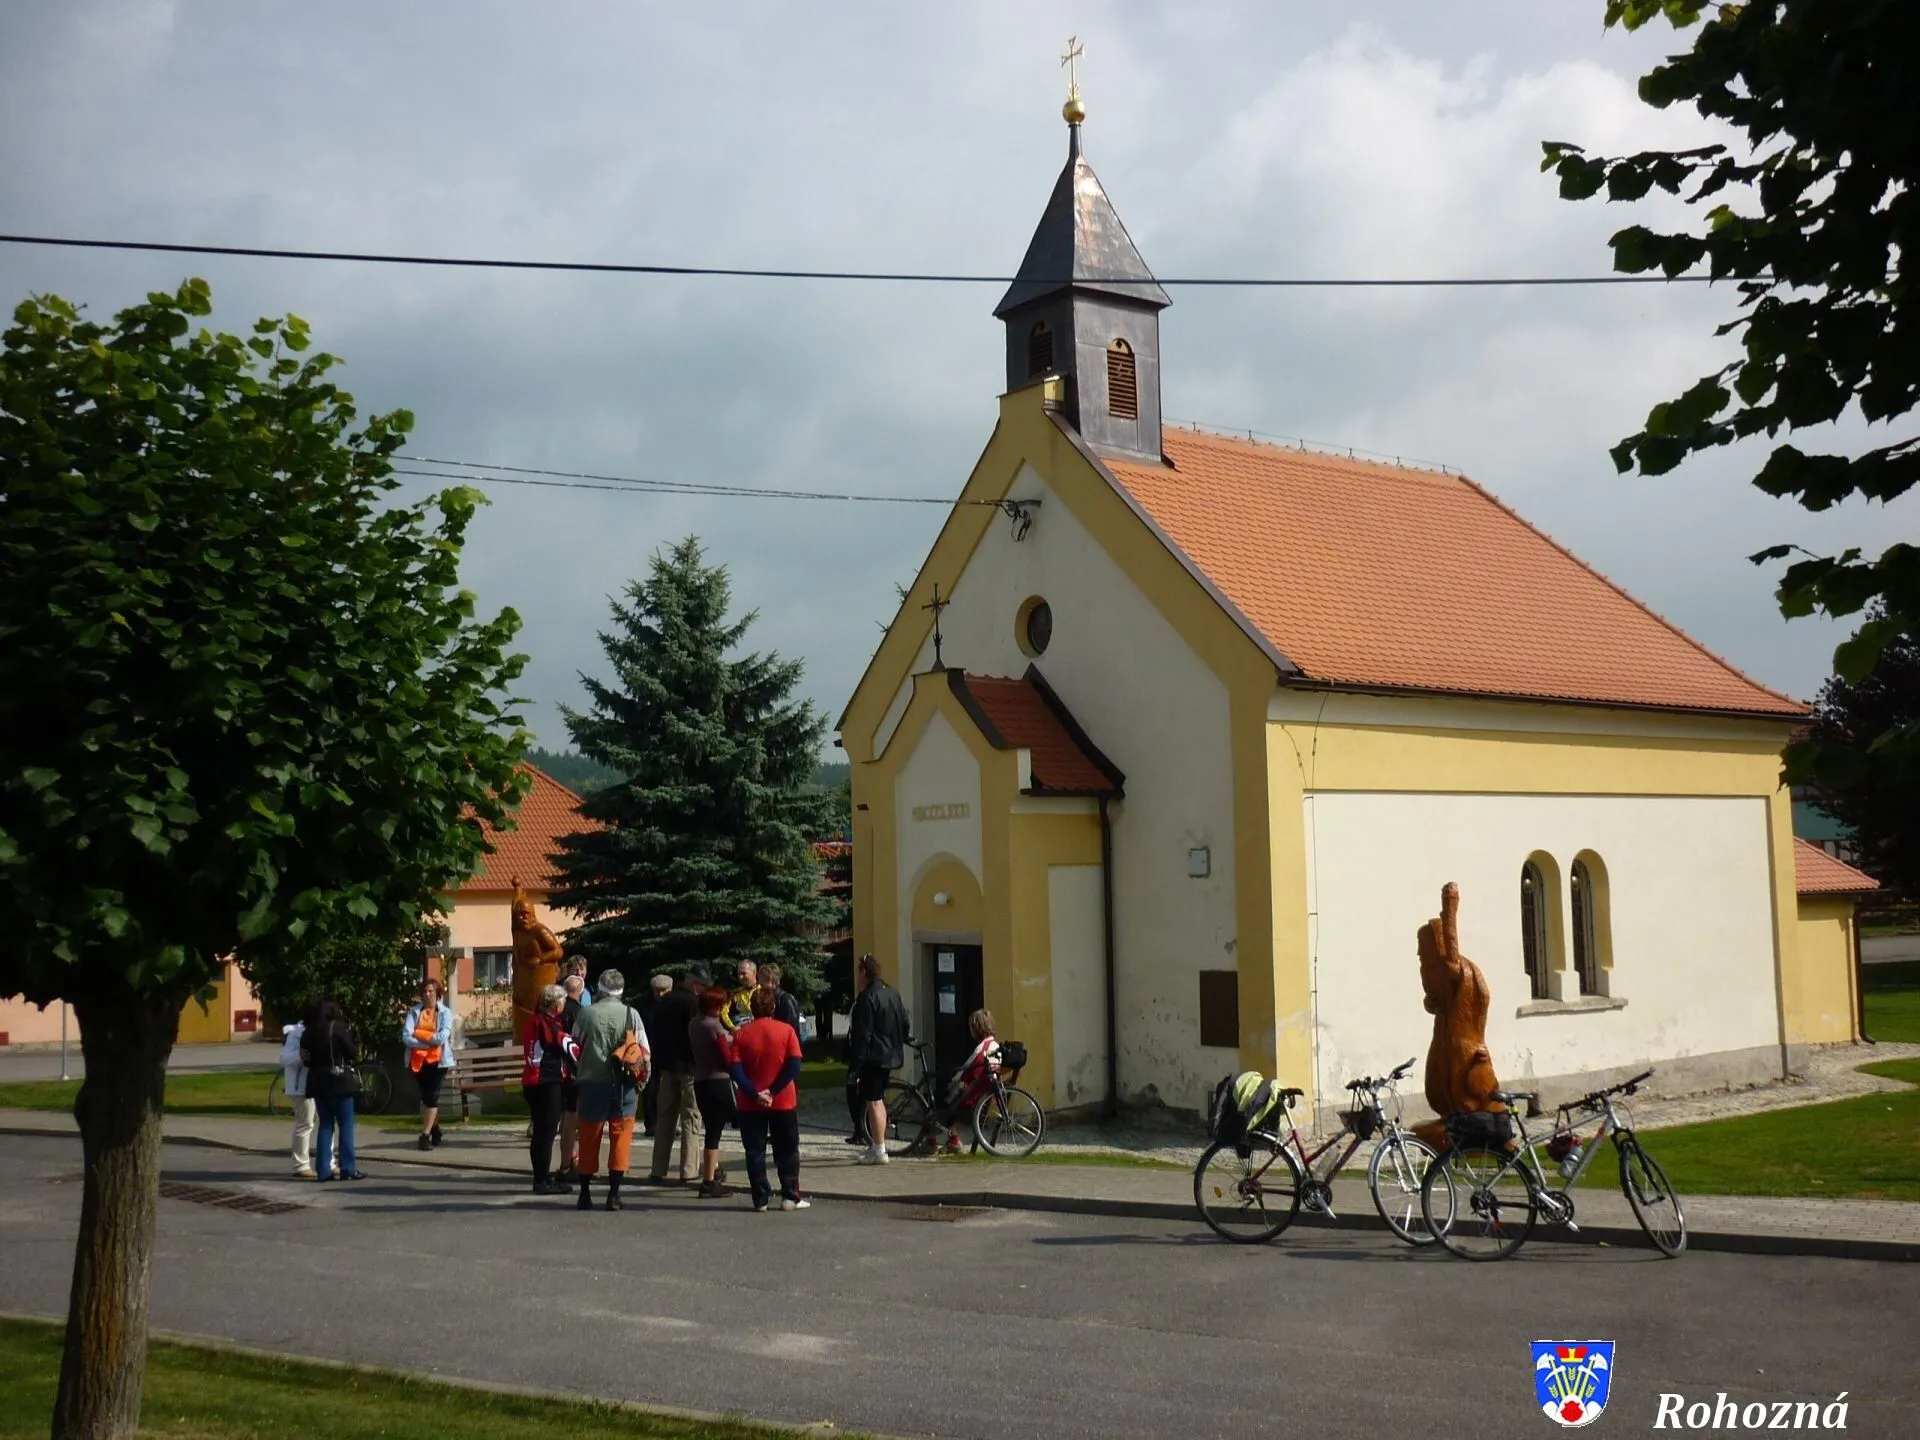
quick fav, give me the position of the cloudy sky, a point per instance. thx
(1359, 139)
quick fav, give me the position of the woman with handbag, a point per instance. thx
(613, 1065)
(330, 1050)
(427, 1036)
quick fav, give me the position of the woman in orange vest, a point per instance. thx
(427, 1034)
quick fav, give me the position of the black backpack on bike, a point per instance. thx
(1480, 1130)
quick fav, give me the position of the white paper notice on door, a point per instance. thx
(946, 962)
(948, 1003)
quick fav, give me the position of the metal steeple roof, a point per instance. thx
(1080, 244)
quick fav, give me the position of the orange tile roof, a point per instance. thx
(549, 811)
(1373, 575)
(1025, 714)
(1817, 873)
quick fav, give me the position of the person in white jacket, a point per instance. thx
(294, 1078)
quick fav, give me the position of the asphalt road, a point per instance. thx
(1007, 1324)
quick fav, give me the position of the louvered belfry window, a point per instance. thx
(1040, 349)
(1123, 386)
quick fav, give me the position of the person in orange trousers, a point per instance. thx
(613, 1065)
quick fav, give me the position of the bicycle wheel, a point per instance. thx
(376, 1089)
(1394, 1175)
(1010, 1122)
(1478, 1203)
(1651, 1197)
(907, 1117)
(1249, 1200)
(277, 1101)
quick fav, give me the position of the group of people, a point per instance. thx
(689, 1060)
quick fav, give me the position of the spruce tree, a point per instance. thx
(705, 849)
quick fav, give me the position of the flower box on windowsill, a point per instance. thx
(1577, 1006)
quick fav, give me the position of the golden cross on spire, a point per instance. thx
(1075, 109)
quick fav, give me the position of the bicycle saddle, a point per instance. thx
(1514, 1097)
(1291, 1093)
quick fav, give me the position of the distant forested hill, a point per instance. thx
(581, 775)
(573, 770)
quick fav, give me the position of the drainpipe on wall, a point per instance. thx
(1859, 980)
(1112, 1106)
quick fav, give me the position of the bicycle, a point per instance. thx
(1242, 1201)
(1007, 1121)
(1484, 1194)
(376, 1090)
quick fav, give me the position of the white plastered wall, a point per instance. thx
(1077, 951)
(1159, 713)
(941, 773)
(1691, 907)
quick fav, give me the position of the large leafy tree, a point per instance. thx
(1816, 219)
(241, 704)
(1881, 816)
(704, 850)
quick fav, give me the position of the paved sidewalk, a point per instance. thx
(1864, 1229)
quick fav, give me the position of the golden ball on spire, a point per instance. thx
(1074, 111)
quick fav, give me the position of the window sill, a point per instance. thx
(1578, 1006)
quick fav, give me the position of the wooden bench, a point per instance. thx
(481, 1067)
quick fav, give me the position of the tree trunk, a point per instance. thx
(126, 1039)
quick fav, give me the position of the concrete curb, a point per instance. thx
(1732, 1242)
(820, 1428)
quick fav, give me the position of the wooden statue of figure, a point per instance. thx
(536, 962)
(1459, 1069)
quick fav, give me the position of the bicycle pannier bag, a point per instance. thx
(1240, 1104)
(1013, 1055)
(1480, 1130)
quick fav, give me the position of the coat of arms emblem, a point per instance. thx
(1571, 1379)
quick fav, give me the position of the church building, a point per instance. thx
(1173, 743)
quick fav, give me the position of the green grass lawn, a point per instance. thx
(194, 1393)
(822, 1075)
(213, 1092)
(1891, 993)
(1868, 1146)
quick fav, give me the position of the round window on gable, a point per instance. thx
(1033, 626)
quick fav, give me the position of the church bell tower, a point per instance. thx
(1084, 307)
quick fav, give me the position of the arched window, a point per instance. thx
(1592, 923)
(1123, 385)
(1039, 349)
(1535, 902)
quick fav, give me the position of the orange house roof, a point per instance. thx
(1817, 873)
(1375, 576)
(549, 811)
(1025, 714)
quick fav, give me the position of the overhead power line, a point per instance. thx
(900, 276)
(635, 485)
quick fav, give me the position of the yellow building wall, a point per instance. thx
(1829, 999)
(1308, 754)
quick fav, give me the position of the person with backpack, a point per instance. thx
(329, 1049)
(614, 1061)
(786, 1008)
(877, 1033)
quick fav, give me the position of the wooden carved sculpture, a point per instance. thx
(1459, 1069)
(536, 962)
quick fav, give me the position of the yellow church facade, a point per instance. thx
(1173, 743)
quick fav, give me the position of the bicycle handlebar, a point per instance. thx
(1592, 1100)
(1367, 1082)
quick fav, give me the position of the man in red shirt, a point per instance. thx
(766, 1073)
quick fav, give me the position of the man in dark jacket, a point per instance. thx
(877, 1034)
(673, 1015)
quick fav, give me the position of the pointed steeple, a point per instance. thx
(1085, 307)
(1080, 242)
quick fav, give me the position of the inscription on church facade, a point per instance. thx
(955, 810)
